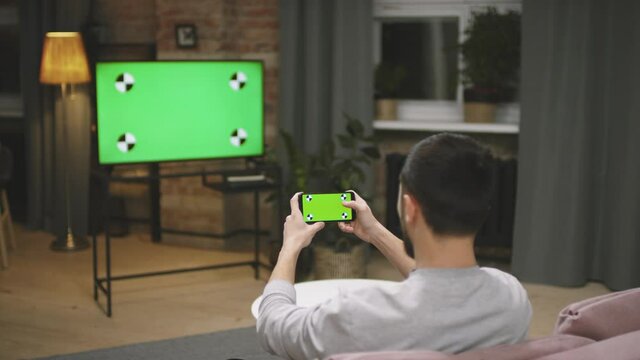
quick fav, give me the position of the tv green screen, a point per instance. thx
(179, 110)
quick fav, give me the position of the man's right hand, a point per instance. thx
(365, 223)
(369, 229)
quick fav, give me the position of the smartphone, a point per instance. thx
(326, 207)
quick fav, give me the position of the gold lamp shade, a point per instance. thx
(63, 59)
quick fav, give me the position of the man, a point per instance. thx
(447, 303)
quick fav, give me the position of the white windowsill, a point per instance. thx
(401, 125)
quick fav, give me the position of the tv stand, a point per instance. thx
(255, 178)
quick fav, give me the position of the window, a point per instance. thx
(10, 100)
(417, 57)
(426, 49)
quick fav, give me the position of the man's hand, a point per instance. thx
(297, 233)
(365, 223)
(369, 229)
(296, 236)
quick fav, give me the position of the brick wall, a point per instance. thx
(226, 30)
(126, 21)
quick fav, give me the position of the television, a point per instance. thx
(179, 110)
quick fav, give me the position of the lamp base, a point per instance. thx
(69, 242)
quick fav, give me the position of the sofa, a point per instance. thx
(603, 327)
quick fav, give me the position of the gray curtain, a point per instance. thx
(578, 202)
(46, 117)
(326, 68)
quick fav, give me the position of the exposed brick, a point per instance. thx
(126, 21)
(227, 29)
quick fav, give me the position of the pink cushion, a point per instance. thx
(602, 317)
(526, 350)
(392, 355)
(622, 347)
(523, 351)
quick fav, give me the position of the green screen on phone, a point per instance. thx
(325, 207)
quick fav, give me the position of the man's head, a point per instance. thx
(450, 177)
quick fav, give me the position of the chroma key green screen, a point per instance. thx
(179, 110)
(325, 207)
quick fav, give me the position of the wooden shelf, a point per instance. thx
(404, 125)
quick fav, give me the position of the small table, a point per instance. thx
(223, 184)
(311, 293)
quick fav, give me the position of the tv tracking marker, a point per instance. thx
(238, 81)
(126, 142)
(238, 137)
(124, 82)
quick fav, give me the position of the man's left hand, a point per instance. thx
(296, 236)
(297, 233)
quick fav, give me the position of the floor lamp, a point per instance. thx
(64, 62)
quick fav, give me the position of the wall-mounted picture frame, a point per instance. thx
(186, 36)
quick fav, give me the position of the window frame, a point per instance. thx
(439, 110)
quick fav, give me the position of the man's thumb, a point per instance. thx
(317, 226)
(350, 204)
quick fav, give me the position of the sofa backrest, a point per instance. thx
(621, 347)
(392, 355)
(527, 350)
(522, 351)
(602, 317)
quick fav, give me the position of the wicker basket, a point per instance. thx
(330, 264)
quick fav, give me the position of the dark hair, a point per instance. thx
(451, 177)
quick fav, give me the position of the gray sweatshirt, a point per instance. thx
(448, 310)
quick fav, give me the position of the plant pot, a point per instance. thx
(330, 264)
(386, 109)
(479, 112)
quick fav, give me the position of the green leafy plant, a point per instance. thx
(339, 166)
(491, 51)
(388, 79)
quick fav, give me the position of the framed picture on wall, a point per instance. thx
(186, 36)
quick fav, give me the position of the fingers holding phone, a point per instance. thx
(364, 224)
(297, 233)
(325, 207)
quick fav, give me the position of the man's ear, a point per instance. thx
(411, 209)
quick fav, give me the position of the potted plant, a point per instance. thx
(388, 78)
(491, 53)
(336, 168)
